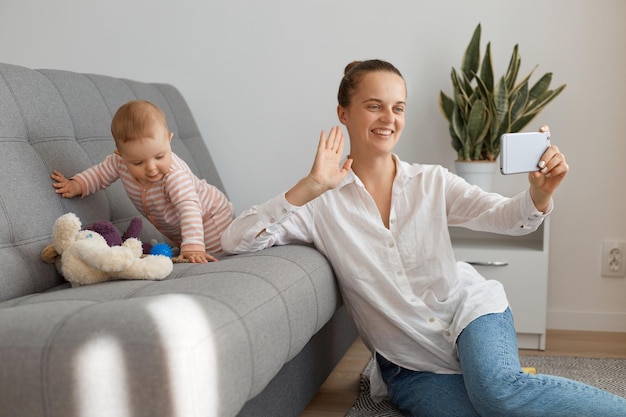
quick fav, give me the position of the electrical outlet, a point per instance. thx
(613, 258)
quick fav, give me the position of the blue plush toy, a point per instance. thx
(162, 249)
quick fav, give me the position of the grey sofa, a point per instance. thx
(250, 335)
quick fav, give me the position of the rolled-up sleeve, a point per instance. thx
(261, 226)
(474, 209)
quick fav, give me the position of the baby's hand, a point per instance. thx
(197, 257)
(66, 187)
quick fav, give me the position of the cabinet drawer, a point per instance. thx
(524, 277)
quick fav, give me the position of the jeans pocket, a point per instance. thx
(388, 369)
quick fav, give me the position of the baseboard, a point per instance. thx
(587, 321)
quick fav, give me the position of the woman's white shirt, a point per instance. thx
(408, 296)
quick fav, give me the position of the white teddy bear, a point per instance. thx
(86, 258)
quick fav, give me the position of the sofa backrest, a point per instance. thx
(52, 119)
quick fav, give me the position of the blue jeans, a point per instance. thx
(493, 383)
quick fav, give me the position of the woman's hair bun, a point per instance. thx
(350, 66)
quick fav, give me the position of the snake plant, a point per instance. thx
(481, 109)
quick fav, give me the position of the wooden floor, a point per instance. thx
(340, 390)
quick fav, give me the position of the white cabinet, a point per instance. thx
(521, 264)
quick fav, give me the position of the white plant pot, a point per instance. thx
(479, 173)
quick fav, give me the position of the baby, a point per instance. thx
(189, 211)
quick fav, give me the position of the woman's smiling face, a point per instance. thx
(375, 116)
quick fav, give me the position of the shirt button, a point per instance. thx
(271, 220)
(448, 334)
(432, 319)
(413, 299)
(391, 245)
(284, 210)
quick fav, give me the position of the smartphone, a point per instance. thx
(521, 152)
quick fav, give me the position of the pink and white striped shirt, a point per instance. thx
(192, 213)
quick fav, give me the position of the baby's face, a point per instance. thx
(149, 158)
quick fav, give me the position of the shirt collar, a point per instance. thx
(404, 171)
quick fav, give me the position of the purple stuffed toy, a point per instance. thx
(114, 237)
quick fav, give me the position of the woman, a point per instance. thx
(442, 335)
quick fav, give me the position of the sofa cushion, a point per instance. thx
(216, 333)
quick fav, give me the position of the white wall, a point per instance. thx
(261, 78)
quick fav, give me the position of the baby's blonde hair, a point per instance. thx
(135, 120)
